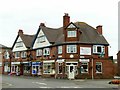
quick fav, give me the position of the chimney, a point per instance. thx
(42, 24)
(99, 29)
(66, 20)
(20, 32)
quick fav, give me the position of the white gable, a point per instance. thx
(43, 43)
(19, 48)
(71, 26)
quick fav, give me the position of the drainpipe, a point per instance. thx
(92, 70)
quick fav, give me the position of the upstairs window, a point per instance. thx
(6, 54)
(39, 52)
(17, 54)
(59, 49)
(19, 44)
(71, 33)
(41, 39)
(71, 49)
(46, 51)
(23, 54)
(98, 49)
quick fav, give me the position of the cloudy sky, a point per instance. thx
(28, 14)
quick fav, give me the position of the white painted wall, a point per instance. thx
(19, 48)
(43, 44)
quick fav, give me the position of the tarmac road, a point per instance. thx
(38, 82)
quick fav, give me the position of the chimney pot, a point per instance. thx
(42, 24)
(20, 32)
(99, 29)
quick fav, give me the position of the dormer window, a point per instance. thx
(71, 33)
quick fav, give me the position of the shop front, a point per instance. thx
(15, 67)
(49, 68)
(37, 68)
(71, 69)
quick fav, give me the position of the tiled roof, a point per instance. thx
(2, 46)
(27, 39)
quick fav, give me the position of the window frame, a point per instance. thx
(41, 39)
(23, 54)
(17, 54)
(95, 49)
(84, 63)
(39, 52)
(71, 48)
(59, 64)
(71, 33)
(59, 49)
(47, 50)
(99, 63)
(19, 44)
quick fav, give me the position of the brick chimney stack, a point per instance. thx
(42, 24)
(20, 32)
(66, 20)
(99, 29)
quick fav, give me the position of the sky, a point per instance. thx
(28, 14)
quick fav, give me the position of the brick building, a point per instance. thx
(4, 59)
(76, 50)
(118, 62)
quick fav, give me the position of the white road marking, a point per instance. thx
(40, 83)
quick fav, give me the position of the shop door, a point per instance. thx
(71, 74)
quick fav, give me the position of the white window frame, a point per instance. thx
(59, 49)
(95, 50)
(98, 63)
(51, 71)
(6, 54)
(84, 63)
(17, 54)
(41, 39)
(46, 51)
(72, 33)
(71, 48)
(19, 44)
(39, 52)
(23, 54)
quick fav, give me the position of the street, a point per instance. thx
(38, 82)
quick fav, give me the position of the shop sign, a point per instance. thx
(84, 60)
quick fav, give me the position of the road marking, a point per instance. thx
(40, 83)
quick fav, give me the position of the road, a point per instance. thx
(38, 82)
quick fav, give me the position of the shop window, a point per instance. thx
(71, 49)
(39, 52)
(26, 68)
(59, 49)
(48, 68)
(84, 67)
(98, 67)
(59, 68)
